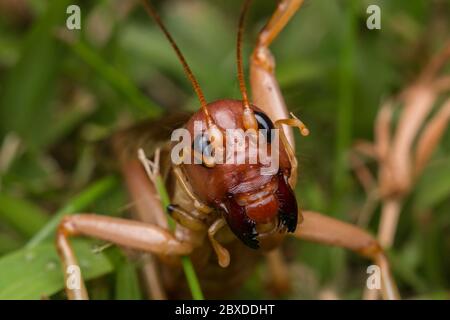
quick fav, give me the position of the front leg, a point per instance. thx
(128, 233)
(322, 229)
(266, 92)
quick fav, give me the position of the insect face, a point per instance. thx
(258, 204)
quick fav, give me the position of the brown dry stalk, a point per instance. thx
(431, 137)
(389, 220)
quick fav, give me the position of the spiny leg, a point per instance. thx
(146, 203)
(382, 132)
(427, 142)
(146, 208)
(326, 230)
(266, 92)
(267, 95)
(128, 233)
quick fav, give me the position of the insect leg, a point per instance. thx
(322, 229)
(431, 136)
(146, 208)
(146, 203)
(290, 148)
(279, 273)
(266, 92)
(222, 254)
(127, 233)
(197, 203)
(185, 218)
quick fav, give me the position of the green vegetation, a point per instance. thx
(61, 92)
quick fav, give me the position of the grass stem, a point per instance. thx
(78, 203)
(188, 268)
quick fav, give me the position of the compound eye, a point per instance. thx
(264, 123)
(203, 150)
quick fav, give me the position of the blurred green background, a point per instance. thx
(61, 91)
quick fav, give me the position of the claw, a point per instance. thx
(288, 211)
(241, 225)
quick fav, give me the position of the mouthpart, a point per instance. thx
(272, 209)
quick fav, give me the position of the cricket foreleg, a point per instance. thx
(266, 92)
(127, 233)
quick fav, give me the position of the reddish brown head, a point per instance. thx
(255, 205)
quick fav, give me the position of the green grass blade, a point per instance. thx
(24, 102)
(9, 243)
(344, 119)
(188, 268)
(433, 187)
(78, 203)
(127, 282)
(37, 273)
(23, 216)
(119, 81)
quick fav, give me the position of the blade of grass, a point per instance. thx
(24, 102)
(433, 187)
(127, 282)
(35, 273)
(118, 80)
(22, 215)
(188, 268)
(9, 243)
(344, 124)
(345, 101)
(78, 203)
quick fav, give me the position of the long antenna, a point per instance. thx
(152, 12)
(249, 118)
